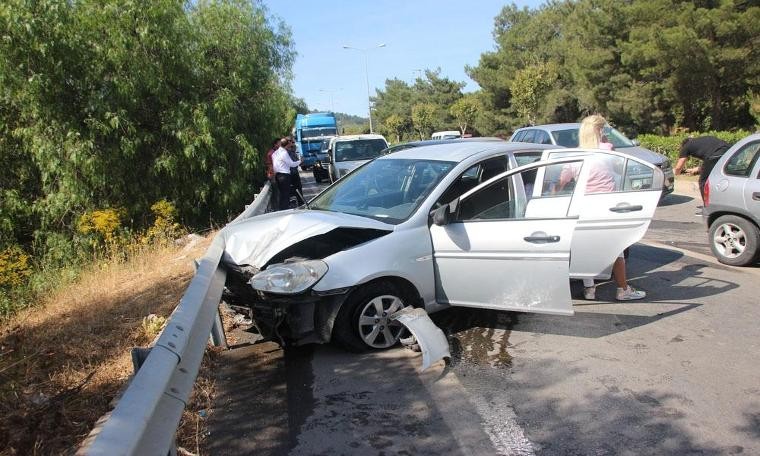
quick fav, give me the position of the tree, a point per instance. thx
(395, 125)
(423, 116)
(111, 104)
(465, 111)
(529, 88)
(649, 65)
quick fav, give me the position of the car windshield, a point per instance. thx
(617, 139)
(389, 190)
(317, 132)
(358, 149)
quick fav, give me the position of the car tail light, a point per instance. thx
(706, 192)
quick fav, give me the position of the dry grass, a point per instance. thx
(62, 362)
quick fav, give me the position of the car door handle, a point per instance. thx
(541, 239)
(625, 207)
(756, 196)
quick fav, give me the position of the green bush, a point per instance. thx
(670, 145)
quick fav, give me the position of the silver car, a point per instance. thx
(732, 204)
(344, 153)
(458, 224)
(566, 135)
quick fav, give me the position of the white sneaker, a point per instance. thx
(589, 293)
(629, 294)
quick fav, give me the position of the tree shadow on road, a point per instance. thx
(609, 419)
(673, 199)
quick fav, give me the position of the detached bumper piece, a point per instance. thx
(430, 338)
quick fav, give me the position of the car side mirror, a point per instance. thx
(445, 214)
(329, 156)
(441, 216)
(635, 142)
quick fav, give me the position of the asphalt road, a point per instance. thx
(676, 373)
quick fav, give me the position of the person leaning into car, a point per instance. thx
(709, 149)
(281, 164)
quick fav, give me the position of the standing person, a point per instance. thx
(274, 201)
(281, 164)
(601, 179)
(295, 177)
(709, 149)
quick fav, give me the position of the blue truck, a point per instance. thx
(310, 131)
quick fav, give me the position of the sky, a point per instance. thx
(418, 35)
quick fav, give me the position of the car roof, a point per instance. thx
(457, 151)
(553, 127)
(430, 142)
(355, 137)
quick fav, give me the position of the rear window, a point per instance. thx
(742, 162)
(566, 138)
(359, 149)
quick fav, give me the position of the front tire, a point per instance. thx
(734, 240)
(363, 321)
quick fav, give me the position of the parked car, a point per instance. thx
(566, 135)
(449, 134)
(344, 153)
(732, 204)
(431, 227)
(319, 168)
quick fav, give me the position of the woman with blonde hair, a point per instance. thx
(601, 180)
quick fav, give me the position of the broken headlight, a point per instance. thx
(289, 278)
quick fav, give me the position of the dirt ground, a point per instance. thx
(63, 361)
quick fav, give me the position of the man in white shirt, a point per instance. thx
(281, 164)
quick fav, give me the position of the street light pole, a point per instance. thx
(366, 77)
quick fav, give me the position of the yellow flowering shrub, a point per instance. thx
(14, 267)
(164, 227)
(103, 223)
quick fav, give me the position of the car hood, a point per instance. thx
(643, 153)
(256, 240)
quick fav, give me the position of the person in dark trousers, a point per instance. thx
(709, 149)
(296, 188)
(281, 164)
(274, 201)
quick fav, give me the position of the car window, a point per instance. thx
(359, 149)
(524, 158)
(542, 137)
(518, 136)
(607, 174)
(472, 177)
(566, 138)
(386, 189)
(529, 135)
(742, 162)
(637, 176)
(560, 179)
(510, 196)
(496, 201)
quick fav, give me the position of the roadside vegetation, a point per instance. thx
(110, 108)
(64, 360)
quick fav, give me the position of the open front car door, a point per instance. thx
(498, 247)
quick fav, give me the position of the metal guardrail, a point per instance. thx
(145, 420)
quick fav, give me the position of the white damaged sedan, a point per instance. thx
(423, 229)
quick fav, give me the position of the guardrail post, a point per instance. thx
(218, 338)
